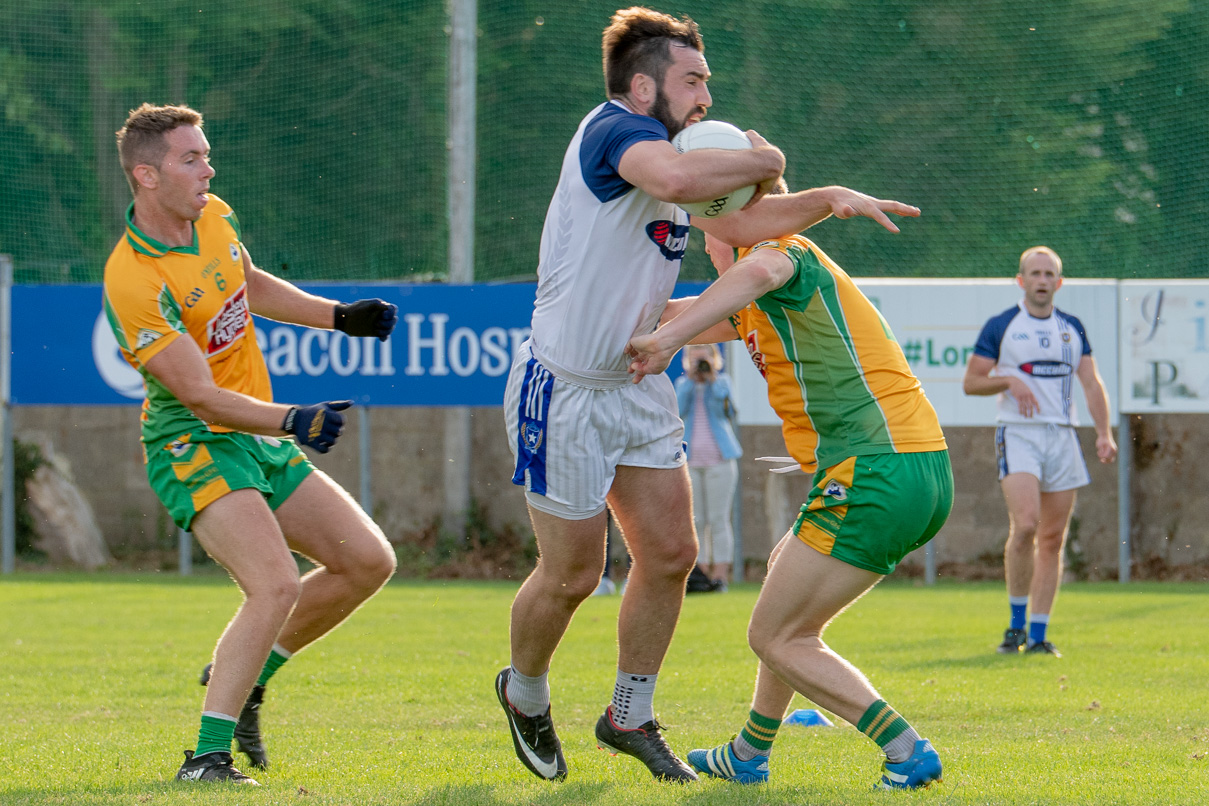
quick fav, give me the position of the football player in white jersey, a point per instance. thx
(583, 436)
(1029, 355)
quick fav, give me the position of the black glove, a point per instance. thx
(367, 317)
(317, 426)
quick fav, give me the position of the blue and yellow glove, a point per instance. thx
(317, 426)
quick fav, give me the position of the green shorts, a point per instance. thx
(196, 469)
(871, 511)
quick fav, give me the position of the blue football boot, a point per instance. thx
(721, 762)
(917, 772)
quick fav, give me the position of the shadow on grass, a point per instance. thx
(983, 660)
(487, 795)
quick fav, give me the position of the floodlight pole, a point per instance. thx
(8, 516)
(463, 67)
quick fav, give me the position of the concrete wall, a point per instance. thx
(1170, 489)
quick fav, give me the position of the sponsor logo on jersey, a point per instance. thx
(194, 297)
(1046, 369)
(835, 490)
(229, 324)
(234, 252)
(670, 237)
(752, 343)
(532, 435)
(145, 337)
(1019, 337)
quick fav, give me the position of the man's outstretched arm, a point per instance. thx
(778, 216)
(282, 301)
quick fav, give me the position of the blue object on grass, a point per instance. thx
(807, 717)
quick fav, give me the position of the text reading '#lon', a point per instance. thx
(927, 352)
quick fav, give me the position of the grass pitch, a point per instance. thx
(99, 696)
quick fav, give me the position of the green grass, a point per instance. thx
(98, 697)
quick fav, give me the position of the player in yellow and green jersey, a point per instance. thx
(180, 291)
(856, 418)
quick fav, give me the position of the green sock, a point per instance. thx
(216, 732)
(757, 736)
(882, 724)
(277, 657)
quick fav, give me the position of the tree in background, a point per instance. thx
(1076, 124)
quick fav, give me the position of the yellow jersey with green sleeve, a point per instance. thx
(836, 376)
(155, 294)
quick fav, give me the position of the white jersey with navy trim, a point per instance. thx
(610, 253)
(1044, 353)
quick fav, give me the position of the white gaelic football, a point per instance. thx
(715, 134)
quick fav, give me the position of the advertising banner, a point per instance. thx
(1164, 357)
(452, 347)
(937, 322)
(454, 344)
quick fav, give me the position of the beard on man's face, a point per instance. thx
(661, 111)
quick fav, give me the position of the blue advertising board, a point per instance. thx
(452, 347)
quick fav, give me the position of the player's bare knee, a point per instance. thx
(377, 564)
(1050, 544)
(577, 588)
(367, 569)
(764, 643)
(673, 560)
(570, 583)
(278, 594)
(1022, 535)
(389, 563)
(759, 641)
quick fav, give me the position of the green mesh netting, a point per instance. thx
(1078, 124)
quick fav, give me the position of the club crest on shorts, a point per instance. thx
(834, 489)
(177, 447)
(532, 435)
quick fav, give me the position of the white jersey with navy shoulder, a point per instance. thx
(610, 253)
(1044, 353)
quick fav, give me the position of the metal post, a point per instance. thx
(363, 436)
(1124, 508)
(457, 469)
(739, 565)
(184, 552)
(463, 69)
(930, 562)
(8, 517)
(463, 41)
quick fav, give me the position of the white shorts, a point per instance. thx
(568, 439)
(1047, 451)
